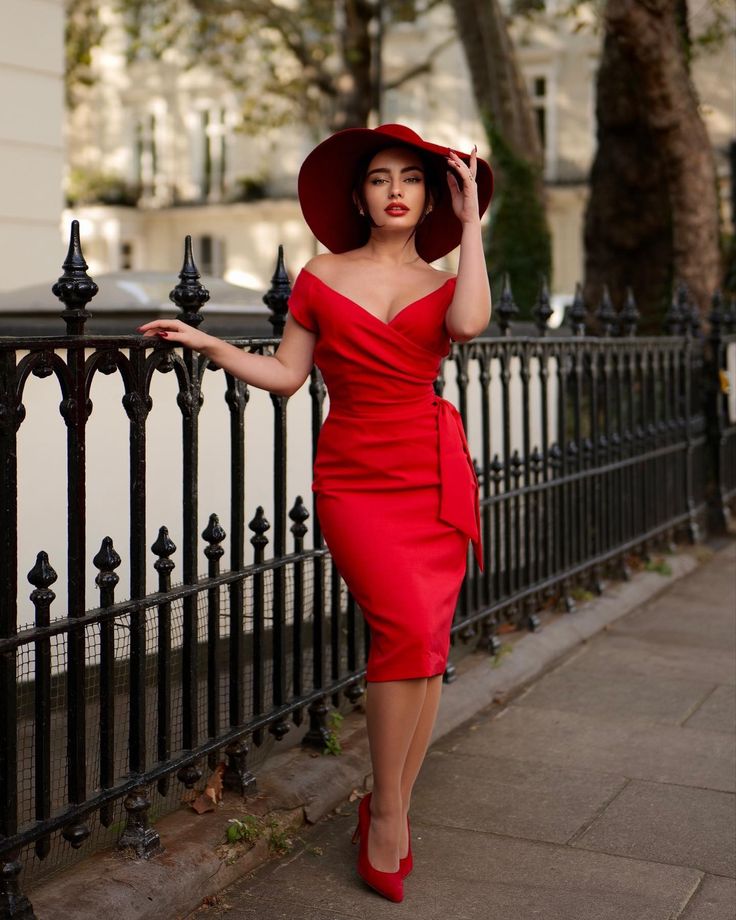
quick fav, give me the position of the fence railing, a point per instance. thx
(588, 448)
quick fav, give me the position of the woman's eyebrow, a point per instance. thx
(385, 169)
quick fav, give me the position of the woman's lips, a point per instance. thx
(395, 210)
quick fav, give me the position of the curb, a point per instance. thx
(301, 786)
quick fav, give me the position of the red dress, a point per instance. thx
(396, 492)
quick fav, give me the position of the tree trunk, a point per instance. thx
(519, 241)
(498, 84)
(628, 234)
(648, 36)
(355, 85)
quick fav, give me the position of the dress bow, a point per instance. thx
(460, 493)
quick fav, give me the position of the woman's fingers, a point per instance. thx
(159, 326)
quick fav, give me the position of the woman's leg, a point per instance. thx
(393, 711)
(417, 751)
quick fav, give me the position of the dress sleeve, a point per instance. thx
(301, 304)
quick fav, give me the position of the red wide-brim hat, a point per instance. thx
(329, 173)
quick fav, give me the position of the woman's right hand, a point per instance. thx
(174, 330)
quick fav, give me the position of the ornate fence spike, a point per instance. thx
(542, 309)
(259, 525)
(190, 295)
(106, 560)
(214, 534)
(688, 310)
(576, 312)
(674, 318)
(605, 314)
(506, 309)
(628, 318)
(730, 316)
(41, 576)
(75, 288)
(163, 547)
(277, 296)
(716, 316)
(299, 515)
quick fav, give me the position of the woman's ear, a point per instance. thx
(358, 205)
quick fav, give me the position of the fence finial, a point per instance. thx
(542, 309)
(605, 314)
(190, 295)
(674, 318)
(506, 309)
(75, 288)
(576, 313)
(628, 318)
(277, 296)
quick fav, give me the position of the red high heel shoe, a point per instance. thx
(406, 863)
(389, 884)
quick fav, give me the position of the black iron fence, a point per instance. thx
(588, 448)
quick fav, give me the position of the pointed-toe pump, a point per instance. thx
(406, 863)
(389, 884)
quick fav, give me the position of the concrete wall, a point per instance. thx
(31, 146)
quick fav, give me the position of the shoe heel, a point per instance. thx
(356, 834)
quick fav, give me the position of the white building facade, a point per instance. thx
(31, 146)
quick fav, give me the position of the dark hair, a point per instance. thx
(433, 186)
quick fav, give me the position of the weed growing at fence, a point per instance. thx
(332, 744)
(658, 565)
(279, 841)
(247, 829)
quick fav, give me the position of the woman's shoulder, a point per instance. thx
(323, 265)
(442, 275)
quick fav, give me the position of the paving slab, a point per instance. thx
(467, 876)
(714, 900)
(612, 689)
(683, 621)
(717, 713)
(632, 747)
(641, 657)
(666, 823)
(505, 796)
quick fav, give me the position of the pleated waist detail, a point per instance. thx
(404, 445)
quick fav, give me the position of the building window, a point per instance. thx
(126, 256)
(214, 153)
(538, 94)
(541, 85)
(146, 155)
(209, 254)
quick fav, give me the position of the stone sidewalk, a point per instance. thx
(603, 791)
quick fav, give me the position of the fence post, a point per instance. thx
(13, 904)
(715, 412)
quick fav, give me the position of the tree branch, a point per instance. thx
(419, 69)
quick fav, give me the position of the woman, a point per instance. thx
(396, 491)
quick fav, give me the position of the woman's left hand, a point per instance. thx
(465, 198)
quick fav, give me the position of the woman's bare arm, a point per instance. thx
(470, 310)
(281, 373)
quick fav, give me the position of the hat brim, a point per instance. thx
(328, 174)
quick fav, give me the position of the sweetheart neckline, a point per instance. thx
(378, 318)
